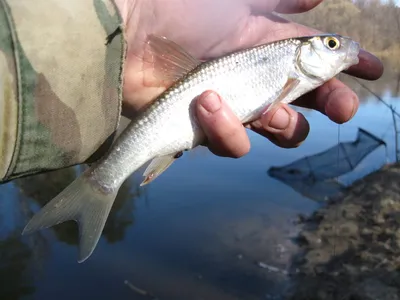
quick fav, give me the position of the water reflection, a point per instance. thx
(22, 258)
(388, 84)
(209, 228)
(16, 276)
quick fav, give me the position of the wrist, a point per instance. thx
(131, 13)
(127, 9)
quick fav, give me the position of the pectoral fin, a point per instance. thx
(290, 85)
(158, 166)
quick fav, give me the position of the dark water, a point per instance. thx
(200, 231)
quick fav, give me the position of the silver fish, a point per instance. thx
(251, 81)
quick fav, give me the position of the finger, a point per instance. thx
(369, 67)
(283, 126)
(282, 6)
(225, 134)
(296, 6)
(334, 99)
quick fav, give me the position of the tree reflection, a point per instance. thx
(389, 83)
(121, 215)
(21, 257)
(15, 259)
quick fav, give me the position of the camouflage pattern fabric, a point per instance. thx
(60, 83)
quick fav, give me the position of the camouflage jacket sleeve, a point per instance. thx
(60, 83)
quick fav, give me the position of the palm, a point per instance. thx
(210, 28)
(200, 29)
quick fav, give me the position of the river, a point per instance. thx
(208, 228)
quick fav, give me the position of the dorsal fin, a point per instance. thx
(169, 60)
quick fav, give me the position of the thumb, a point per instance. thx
(225, 134)
(282, 6)
(296, 6)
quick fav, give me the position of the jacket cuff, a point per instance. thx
(60, 83)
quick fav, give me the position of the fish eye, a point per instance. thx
(332, 43)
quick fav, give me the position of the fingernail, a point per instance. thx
(280, 120)
(355, 106)
(211, 102)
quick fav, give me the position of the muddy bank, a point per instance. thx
(350, 248)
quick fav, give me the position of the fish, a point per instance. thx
(252, 81)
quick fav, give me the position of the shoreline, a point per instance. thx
(350, 248)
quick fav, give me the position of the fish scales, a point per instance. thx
(251, 81)
(247, 82)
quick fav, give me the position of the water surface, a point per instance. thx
(200, 231)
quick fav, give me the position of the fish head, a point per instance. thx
(324, 56)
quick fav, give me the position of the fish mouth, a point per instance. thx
(352, 55)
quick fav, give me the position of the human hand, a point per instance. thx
(197, 25)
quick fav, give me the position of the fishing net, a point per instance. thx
(315, 176)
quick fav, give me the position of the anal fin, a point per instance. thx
(158, 166)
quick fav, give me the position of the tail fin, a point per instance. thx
(82, 202)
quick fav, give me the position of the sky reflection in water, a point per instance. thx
(197, 232)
